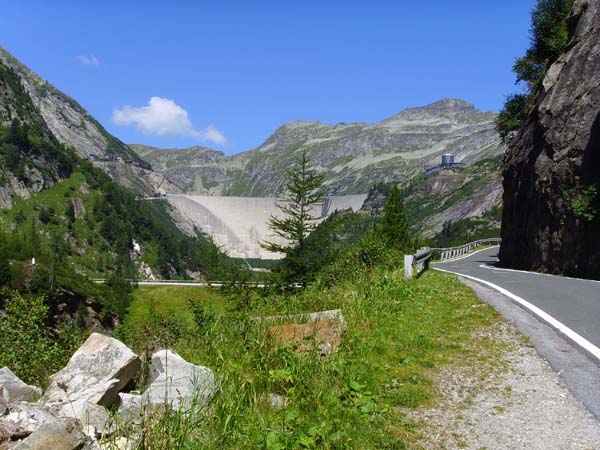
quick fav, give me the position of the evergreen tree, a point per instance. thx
(300, 197)
(548, 39)
(394, 226)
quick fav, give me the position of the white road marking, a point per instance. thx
(559, 326)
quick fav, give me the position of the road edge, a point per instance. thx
(589, 348)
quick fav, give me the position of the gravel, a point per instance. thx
(510, 400)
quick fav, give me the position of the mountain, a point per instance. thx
(551, 218)
(63, 220)
(354, 156)
(462, 196)
(28, 166)
(74, 127)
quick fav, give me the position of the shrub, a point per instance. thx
(512, 117)
(548, 39)
(28, 345)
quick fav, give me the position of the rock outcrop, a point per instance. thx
(551, 218)
(12, 389)
(73, 412)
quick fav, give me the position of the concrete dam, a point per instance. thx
(238, 224)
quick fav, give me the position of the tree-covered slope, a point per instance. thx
(64, 220)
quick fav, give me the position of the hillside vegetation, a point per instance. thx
(400, 333)
(65, 221)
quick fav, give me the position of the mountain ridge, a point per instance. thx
(354, 156)
(75, 127)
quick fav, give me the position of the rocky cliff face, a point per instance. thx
(23, 174)
(551, 219)
(74, 127)
(354, 156)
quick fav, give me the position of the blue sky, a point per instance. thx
(227, 74)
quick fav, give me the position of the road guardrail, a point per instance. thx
(444, 254)
(415, 264)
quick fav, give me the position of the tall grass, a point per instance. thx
(399, 333)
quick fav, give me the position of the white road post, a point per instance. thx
(408, 266)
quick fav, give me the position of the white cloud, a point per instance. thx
(212, 134)
(88, 60)
(164, 117)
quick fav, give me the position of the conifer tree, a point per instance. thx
(300, 197)
(395, 225)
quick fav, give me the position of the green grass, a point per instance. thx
(83, 235)
(399, 334)
(169, 303)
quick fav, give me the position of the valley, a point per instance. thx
(252, 272)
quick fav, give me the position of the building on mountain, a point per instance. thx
(447, 163)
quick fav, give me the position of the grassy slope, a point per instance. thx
(400, 334)
(57, 198)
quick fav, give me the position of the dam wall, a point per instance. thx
(238, 224)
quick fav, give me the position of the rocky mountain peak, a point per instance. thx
(449, 105)
(353, 156)
(444, 107)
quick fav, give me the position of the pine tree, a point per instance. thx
(300, 197)
(394, 226)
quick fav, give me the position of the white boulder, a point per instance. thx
(96, 372)
(177, 382)
(173, 382)
(14, 390)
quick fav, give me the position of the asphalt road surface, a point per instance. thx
(554, 308)
(574, 302)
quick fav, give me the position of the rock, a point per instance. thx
(324, 336)
(177, 382)
(121, 443)
(78, 208)
(173, 381)
(96, 373)
(321, 330)
(5, 434)
(332, 314)
(15, 390)
(3, 402)
(94, 418)
(24, 418)
(552, 164)
(63, 433)
(130, 408)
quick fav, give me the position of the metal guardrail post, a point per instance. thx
(417, 263)
(408, 266)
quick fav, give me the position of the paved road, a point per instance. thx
(573, 302)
